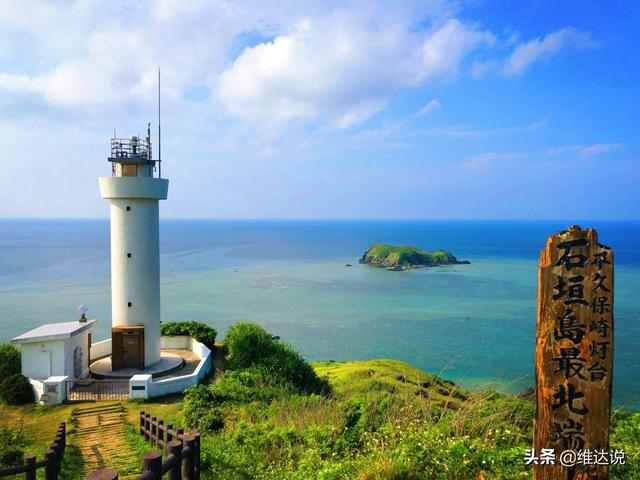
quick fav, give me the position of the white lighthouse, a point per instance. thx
(134, 190)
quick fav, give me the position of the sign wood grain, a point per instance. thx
(574, 351)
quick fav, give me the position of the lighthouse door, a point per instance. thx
(128, 347)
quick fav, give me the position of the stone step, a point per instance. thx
(100, 435)
(97, 408)
(90, 413)
(102, 422)
(89, 430)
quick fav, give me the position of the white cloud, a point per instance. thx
(598, 148)
(428, 108)
(343, 66)
(481, 68)
(103, 56)
(529, 52)
(471, 131)
(442, 52)
(585, 151)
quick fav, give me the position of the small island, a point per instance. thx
(407, 257)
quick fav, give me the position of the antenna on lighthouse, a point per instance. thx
(159, 131)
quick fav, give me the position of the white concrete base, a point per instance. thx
(168, 363)
(55, 390)
(139, 386)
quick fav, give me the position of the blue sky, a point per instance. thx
(470, 110)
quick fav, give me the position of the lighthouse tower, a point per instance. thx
(134, 190)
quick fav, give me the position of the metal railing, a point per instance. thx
(93, 390)
(133, 147)
(51, 463)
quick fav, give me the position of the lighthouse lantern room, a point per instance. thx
(134, 189)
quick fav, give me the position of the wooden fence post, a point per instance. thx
(574, 351)
(154, 429)
(160, 441)
(147, 426)
(50, 468)
(196, 436)
(188, 464)
(152, 462)
(56, 458)
(174, 448)
(169, 434)
(142, 422)
(62, 431)
(103, 474)
(61, 444)
(30, 463)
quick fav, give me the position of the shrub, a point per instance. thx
(9, 360)
(250, 345)
(201, 408)
(199, 331)
(249, 385)
(202, 403)
(247, 344)
(292, 368)
(11, 444)
(16, 390)
(354, 411)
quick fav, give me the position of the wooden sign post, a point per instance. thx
(574, 356)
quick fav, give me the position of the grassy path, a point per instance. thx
(101, 437)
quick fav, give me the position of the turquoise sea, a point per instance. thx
(474, 324)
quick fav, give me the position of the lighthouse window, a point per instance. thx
(128, 208)
(129, 304)
(129, 170)
(128, 255)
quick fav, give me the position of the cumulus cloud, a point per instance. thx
(342, 66)
(337, 66)
(95, 56)
(527, 53)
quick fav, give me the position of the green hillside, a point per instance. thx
(272, 415)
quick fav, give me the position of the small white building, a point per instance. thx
(56, 349)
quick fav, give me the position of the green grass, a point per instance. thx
(383, 420)
(38, 424)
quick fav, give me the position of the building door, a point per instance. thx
(77, 362)
(128, 347)
(131, 349)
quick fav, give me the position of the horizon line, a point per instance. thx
(348, 219)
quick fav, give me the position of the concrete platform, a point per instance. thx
(169, 363)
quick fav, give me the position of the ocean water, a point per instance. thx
(474, 324)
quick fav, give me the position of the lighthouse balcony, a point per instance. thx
(134, 187)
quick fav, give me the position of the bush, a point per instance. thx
(199, 331)
(250, 345)
(202, 403)
(249, 385)
(9, 360)
(247, 344)
(16, 390)
(292, 368)
(201, 408)
(11, 445)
